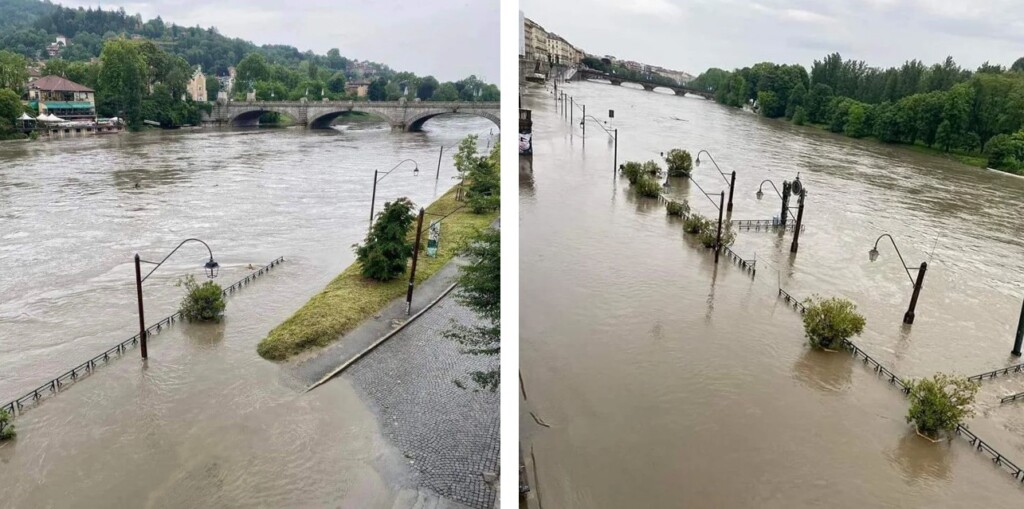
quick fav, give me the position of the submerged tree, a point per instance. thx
(480, 290)
(829, 322)
(940, 403)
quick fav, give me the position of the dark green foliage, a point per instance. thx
(480, 290)
(676, 208)
(386, 251)
(6, 428)
(708, 234)
(376, 90)
(679, 162)
(10, 110)
(1006, 152)
(647, 187)
(940, 403)
(202, 302)
(829, 322)
(484, 182)
(799, 115)
(695, 224)
(633, 170)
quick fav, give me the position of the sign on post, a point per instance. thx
(433, 238)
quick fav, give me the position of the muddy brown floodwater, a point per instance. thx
(670, 382)
(205, 422)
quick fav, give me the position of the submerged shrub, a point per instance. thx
(695, 223)
(202, 302)
(829, 322)
(940, 403)
(6, 428)
(679, 162)
(675, 208)
(708, 235)
(633, 170)
(648, 187)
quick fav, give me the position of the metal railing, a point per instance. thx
(1012, 397)
(797, 305)
(961, 430)
(767, 225)
(995, 373)
(54, 386)
(749, 265)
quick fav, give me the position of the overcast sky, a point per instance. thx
(693, 35)
(449, 39)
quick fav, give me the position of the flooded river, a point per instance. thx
(670, 382)
(205, 422)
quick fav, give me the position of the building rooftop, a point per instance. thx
(58, 84)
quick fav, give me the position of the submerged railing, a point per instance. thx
(767, 225)
(54, 386)
(980, 445)
(995, 373)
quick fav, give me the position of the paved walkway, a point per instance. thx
(449, 434)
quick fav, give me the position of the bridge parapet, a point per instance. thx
(404, 115)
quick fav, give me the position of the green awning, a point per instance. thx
(68, 105)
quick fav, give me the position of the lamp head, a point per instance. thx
(697, 162)
(873, 254)
(760, 194)
(796, 186)
(211, 268)
(416, 171)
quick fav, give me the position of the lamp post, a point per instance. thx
(211, 272)
(1020, 334)
(784, 195)
(416, 252)
(731, 181)
(373, 196)
(908, 317)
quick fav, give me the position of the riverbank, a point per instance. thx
(350, 298)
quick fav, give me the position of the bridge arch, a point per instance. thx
(323, 119)
(416, 122)
(251, 117)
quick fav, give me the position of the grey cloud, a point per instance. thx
(450, 39)
(737, 33)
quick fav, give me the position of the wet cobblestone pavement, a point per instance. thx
(449, 435)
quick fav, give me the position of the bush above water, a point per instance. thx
(940, 403)
(647, 187)
(202, 302)
(829, 322)
(679, 162)
(675, 208)
(695, 223)
(633, 170)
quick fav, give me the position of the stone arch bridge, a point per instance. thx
(590, 74)
(403, 115)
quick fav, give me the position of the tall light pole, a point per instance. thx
(728, 180)
(211, 272)
(908, 317)
(373, 196)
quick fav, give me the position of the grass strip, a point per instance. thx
(350, 298)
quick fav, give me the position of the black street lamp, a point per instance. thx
(211, 267)
(908, 317)
(612, 134)
(788, 188)
(373, 197)
(728, 180)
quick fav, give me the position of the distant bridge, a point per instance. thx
(589, 74)
(403, 115)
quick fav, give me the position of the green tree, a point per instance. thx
(336, 84)
(1018, 65)
(10, 109)
(212, 88)
(796, 100)
(770, 105)
(251, 69)
(829, 322)
(800, 115)
(446, 92)
(377, 90)
(384, 254)
(426, 88)
(484, 182)
(13, 71)
(480, 290)
(858, 125)
(122, 80)
(817, 103)
(940, 403)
